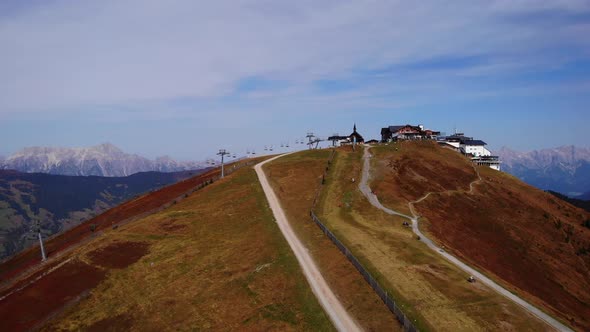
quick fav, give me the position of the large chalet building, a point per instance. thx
(407, 132)
(473, 148)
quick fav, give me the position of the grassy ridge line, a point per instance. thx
(330, 189)
(332, 306)
(375, 284)
(23, 263)
(216, 261)
(295, 179)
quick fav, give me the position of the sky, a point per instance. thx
(187, 78)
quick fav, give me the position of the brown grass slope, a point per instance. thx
(295, 179)
(214, 261)
(432, 292)
(530, 240)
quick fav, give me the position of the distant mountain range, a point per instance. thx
(101, 160)
(564, 169)
(58, 202)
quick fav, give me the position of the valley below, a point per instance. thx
(32, 202)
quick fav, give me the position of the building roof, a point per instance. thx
(394, 129)
(336, 137)
(474, 142)
(460, 137)
(359, 137)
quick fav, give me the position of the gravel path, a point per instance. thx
(364, 187)
(332, 306)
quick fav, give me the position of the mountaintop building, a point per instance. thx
(354, 137)
(473, 148)
(407, 132)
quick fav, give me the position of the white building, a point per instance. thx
(475, 148)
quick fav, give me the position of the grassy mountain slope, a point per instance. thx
(295, 179)
(59, 202)
(531, 241)
(581, 203)
(214, 261)
(431, 291)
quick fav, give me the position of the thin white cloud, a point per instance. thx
(73, 53)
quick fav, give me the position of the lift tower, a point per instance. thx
(222, 153)
(309, 137)
(43, 256)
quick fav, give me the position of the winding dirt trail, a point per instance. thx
(364, 187)
(332, 306)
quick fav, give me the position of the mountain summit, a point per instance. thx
(564, 169)
(102, 160)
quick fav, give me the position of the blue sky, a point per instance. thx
(185, 78)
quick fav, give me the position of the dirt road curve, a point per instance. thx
(364, 187)
(332, 306)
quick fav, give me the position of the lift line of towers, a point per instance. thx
(312, 142)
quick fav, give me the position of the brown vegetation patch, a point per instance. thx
(31, 305)
(23, 282)
(119, 255)
(171, 226)
(120, 322)
(404, 172)
(526, 237)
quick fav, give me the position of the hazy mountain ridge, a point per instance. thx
(564, 169)
(101, 160)
(59, 202)
(581, 203)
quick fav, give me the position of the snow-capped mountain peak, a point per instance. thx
(102, 160)
(565, 169)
